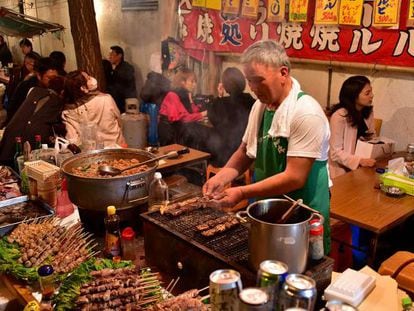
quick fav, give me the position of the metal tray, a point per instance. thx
(42, 206)
(17, 199)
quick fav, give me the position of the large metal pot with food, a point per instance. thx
(88, 189)
(287, 242)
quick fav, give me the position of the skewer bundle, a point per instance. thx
(46, 241)
(119, 289)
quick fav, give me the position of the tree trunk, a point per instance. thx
(86, 39)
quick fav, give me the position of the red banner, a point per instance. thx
(210, 30)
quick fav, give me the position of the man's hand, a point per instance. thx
(231, 197)
(213, 187)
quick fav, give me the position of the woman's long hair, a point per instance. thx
(348, 96)
(178, 80)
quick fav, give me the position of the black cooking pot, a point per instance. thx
(96, 193)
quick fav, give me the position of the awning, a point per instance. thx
(16, 24)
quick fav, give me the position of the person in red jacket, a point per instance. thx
(179, 114)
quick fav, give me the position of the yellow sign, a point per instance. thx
(298, 11)
(213, 4)
(276, 10)
(199, 3)
(386, 13)
(250, 8)
(231, 7)
(410, 18)
(350, 12)
(208, 4)
(326, 12)
(32, 306)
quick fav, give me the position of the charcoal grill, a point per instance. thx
(176, 248)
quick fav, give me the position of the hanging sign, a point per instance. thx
(386, 13)
(208, 30)
(410, 17)
(250, 8)
(326, 12)
(213, 4)
(298, 11)
(199, 3)
(231, 7)
(350, 12)
(276, 10)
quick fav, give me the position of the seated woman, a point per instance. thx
(179, 114)
(229, 115)
(85, 104)
(352, 118)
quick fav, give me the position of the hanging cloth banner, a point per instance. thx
(208, 30)
(386, 13)
(350, 12)
(231, 7)
(276, 10)
(250, 8)
(410, 17)
(298, 11)
(326, 12)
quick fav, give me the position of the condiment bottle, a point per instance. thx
(128, 244)
(112, 235)
(158, 193)
(47, 281)
(38, 142)
(316, 240)
(18, 153)
(64, 206)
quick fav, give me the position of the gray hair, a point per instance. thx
(267, 52)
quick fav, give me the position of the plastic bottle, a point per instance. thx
(316, 240)
(158, 193)
(128, 244)
(64, 206)
(112, 234)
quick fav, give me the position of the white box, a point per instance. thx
(375, 148)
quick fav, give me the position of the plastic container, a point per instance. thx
(128, 244)
(158, 193)
(47, 191)
(316, 250)
(112, 234)
(64, 206)
(47, 281)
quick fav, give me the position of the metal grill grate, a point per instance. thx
(232, 244)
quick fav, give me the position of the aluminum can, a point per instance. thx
(336, 305)
(299, 291)
(225, 286)
(254, 299)
(271, 276)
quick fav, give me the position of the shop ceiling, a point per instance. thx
(15, 24)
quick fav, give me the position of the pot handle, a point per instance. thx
(240, 217)
(320, 216)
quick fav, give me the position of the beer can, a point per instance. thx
(336, 305)
(254, 299)
(298, 291)
(271, 276)
(225, 286)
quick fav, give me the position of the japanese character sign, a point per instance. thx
(298, 11)
(386, 13)
(326, 12)
(276, 10)
(250, 8)
(350, 12)
(231, 7)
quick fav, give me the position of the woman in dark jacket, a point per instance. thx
(229, 115)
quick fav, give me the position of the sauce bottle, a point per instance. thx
(128, 244)
(47, 281)
(112, 234)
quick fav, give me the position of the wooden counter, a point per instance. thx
(356, 201)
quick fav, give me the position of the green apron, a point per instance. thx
(271, 159)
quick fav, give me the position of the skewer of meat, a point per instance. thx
(222, 227)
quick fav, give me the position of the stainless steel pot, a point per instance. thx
(99, 192)
(288, 242)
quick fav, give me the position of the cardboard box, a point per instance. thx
(375, 148)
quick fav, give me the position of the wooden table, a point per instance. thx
(189, 159)
(356, 201)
